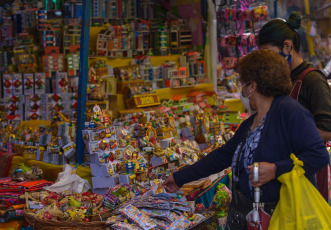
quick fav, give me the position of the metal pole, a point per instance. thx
(275, 8)
(309, 38)
(83, 70)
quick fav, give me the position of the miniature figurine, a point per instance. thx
(97, 94)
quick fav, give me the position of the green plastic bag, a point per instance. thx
(301, 206)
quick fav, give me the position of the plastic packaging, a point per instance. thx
(68, 180)
(300, 206)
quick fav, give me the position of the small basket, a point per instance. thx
(40, 224)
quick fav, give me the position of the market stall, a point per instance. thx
(102, 100)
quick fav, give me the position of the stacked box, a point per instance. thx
(40, 83)
(61, 150)
(187, 134)
(14, 109)
(53, 60)
(14, 105)
(28, 84)
(17, 84)
(7, 82)
(101, 146)
(62, 82)
(68, 106)
(28, 87)
(35, 107)
(14, 99)
(54, 102)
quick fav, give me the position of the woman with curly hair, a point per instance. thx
(278, 127)
(310, 87)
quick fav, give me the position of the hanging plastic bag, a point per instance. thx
(300, 206)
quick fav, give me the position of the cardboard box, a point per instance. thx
(28, 84)
(7, 82)
(40, 83)
(103, 182)
(17, 84)
(62, 82)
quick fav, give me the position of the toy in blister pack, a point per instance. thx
(239, 14)
(229, 14)
(247, 14)
(180, 223)
(254, 13)
(99, 135)
(104, 158)
(123, 137)
(54, 98)
(161, 223)
(248, 39)
(35, 107)
(103, 145)
(54, 103)
(39, 82)
(34, 116)
(28, 84)
(157, 213)
(93, 147)
(74, 101)
(119, 155)
(251, 42)
(157, 187)
(231, 40)
(12, 109)
(138, 217)
(8, 84)
(232, 83)
(17, 84)
(130, 153)
(62, 82)
(13, 99)
(157, 172)
(198, 219)
(229, 62)
(260, 13)
(124, 226)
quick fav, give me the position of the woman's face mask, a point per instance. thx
(245, 100)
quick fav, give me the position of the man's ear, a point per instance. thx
(288, 45)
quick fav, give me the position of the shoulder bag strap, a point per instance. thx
(297, 85)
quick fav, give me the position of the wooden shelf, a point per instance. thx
(159, 56)
(153, 80)
(120, 62)
(90, 102)
(98, 57)
(184, 86)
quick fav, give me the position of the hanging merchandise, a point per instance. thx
(313, 29)
(237, 24)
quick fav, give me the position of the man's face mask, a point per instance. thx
(287, 57)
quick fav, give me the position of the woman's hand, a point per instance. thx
(170, 185)
(267, 172)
